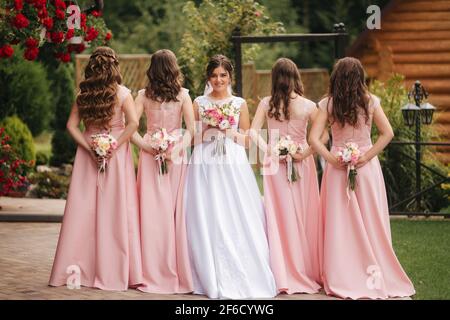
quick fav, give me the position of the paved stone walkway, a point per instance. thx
(27, 250)
(26, 256)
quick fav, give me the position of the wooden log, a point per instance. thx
(419, 71)
(416, 26)
(432, 85)
(417, 35)
(417, 46)
(422, 6)
(426, 57)
(416, 16)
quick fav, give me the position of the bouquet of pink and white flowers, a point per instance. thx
(349, 155)
(103, 144)
(285, 148)
(161, 141)
(222, 116)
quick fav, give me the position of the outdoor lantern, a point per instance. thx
(410, 112)
(426, 112)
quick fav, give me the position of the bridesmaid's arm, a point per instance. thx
(198, 132)
(131, 118)
(189, 116)
(73, 126)
(323, 138)
(385, 136)
(136, 138)
(241, 137)
(315, 141)
(257, 124)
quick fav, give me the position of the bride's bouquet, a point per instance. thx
(222, 116)
(349, 155)
(103, 144)
(285, 148)
(161, 141)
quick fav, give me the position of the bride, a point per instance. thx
(224, 211)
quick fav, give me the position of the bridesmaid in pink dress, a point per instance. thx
(292, 208)
(163, 232)
(358, 258)
(99, 238)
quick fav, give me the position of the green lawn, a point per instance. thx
(422, 248)
(43, 143)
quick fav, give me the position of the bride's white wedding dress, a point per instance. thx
(225, 222)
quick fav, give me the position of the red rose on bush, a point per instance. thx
(31, 53)
(96, 13)
(83, 21)
(59, 14)
(91, 34)
(108, 36)
(20, 21)
(70, 33)
(31, 43)
(43, 13)
(57, 37)
(48, 23)
(65, 57)
(18, 5)
(6, 51)
(39, 4)
(60, 4)
(80, 48)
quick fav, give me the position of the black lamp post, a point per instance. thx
(416, 114)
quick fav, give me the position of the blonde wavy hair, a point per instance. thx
(98, 90)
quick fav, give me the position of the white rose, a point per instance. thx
(224, 124)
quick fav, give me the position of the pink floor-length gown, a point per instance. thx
(165, 256)
(100, 229)
(358, 258)
(292, 208)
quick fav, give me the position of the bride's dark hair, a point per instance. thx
(219, 60)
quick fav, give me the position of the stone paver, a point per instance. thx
(31, 210)
(27, 249)
(26, 256)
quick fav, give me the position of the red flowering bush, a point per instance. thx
(31, 23)
(12, 169)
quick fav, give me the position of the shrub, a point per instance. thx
(21, 139)
(25, 92)
(13, 169)
(41, 158)
(63, 146)
(50, 185)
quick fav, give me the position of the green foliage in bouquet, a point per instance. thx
(399, 171)
(209, 30)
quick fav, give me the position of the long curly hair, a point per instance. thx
(164, 77)
(285, 80)
(219, 60)
(349, 92)
(98, 90)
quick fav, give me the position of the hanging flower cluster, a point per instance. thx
(32, 23)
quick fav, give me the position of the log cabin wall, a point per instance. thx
(414, 40)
